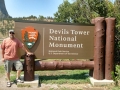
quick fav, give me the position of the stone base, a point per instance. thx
(95, 82)
(34, 83)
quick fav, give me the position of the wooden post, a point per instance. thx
(29, 68)
(91, 70)
(110, 38)
(99, 48)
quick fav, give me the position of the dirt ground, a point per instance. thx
(49, 86)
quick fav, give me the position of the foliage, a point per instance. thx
(64, 12)
(116, 74)
(117, 32)
(41, 18)
(116, 88)
(99, 7)
(6, 25)
(82, 11)
(9, 23)
(79, 14)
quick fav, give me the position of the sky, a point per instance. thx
(25, 8)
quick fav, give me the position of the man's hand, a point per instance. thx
(3, 60)
(29, 53)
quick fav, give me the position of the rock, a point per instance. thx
(3, 11)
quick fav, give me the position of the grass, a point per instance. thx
(116, 88)
(2, 71)
(56, 76)
(63, 76)
(60, 76)
(19, 85)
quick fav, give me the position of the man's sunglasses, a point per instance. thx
(12, 33)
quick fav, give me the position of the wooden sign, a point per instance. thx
(29, 36)
(56, 40)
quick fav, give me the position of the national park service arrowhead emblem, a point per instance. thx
(29, 36)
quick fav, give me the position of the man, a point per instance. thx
(10, 57)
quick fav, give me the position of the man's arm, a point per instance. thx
(26, 50)
(2, 52)
(2, 46)
(21, 45)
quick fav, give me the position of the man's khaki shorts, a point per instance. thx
(9, 63)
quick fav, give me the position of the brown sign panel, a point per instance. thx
(59, 41)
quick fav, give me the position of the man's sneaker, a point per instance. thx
(8, 84)
(19, 81)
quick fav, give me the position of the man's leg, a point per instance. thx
(19, 68)
(8, 76)
(8, 66)
(18, 74)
